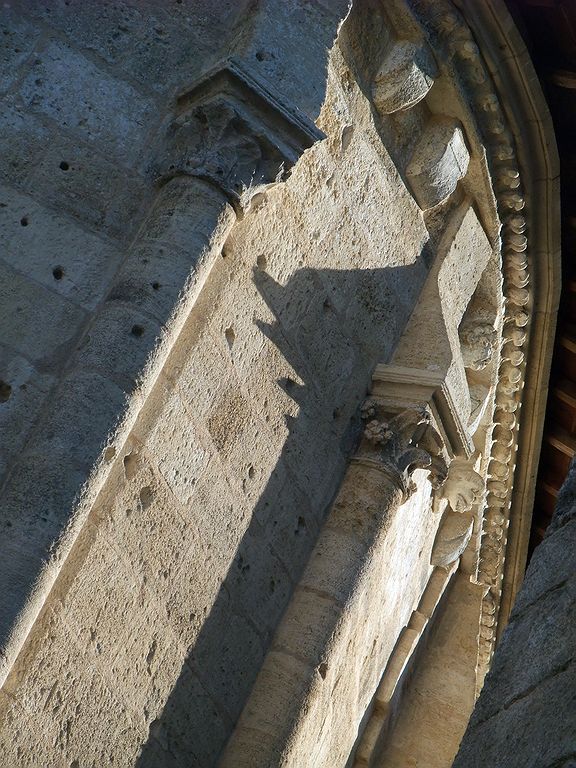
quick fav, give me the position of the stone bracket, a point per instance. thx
(233, 131)
(398, 387)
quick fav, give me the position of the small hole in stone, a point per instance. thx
(230, 337)
(130, 465)
(146, 496)
(64, 166)
(251, 472)
(24, 221)
(58, 273)
(5, 391)
(156, 286)
(109, 453)
(137, 330)
(301, 526)
(323, 670)
(261, 261)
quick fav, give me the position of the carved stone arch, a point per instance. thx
(471, 139)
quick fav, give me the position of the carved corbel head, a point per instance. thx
(478, 344)
(464, 487)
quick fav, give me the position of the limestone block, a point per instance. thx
(19, 37)
(147, 665)
(289, 524)
(228, 418)
(54, 251)
(439, 161)
(23, 391)
(338, 555)
(21, 744)
(81, 181)
(174, 440)
(97, 404)
(404, 78)
(311, 440)
(258, 582)
(146, 524)
(23, 141)
(190, 214)
(264, 382)
(190, 728)
(237, 327)
(39, 335)
(93, 725)
(68, 88)
(200, 384)
(154, 277)
(103, 599)
(279, 678)
(120, 342)
(307, 626)
(227, 657)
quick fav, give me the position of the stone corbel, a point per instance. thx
(462, 491)
(233, 132)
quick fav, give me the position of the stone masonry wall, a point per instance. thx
(159, 616)
(526, 714)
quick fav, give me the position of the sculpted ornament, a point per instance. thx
(402, 443)
(463, 489)
(478, 343)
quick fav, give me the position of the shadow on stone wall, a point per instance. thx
(332, 327)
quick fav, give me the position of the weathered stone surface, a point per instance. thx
(439, 161)
(59, 86)
(256, 338)
(404, 78)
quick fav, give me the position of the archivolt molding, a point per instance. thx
(452, 39)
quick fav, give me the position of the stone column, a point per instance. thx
(227, 138)
(321, 654)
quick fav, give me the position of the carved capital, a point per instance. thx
(233, 132)
(402, 443)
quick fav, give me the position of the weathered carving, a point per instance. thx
(452, 539)
(404, 78)
(464, 487)
(463, 490)
(233, 132)
(402, 443)
(214, 141)
(478, 344)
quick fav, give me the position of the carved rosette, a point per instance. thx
(453, 36)
(400, 444)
